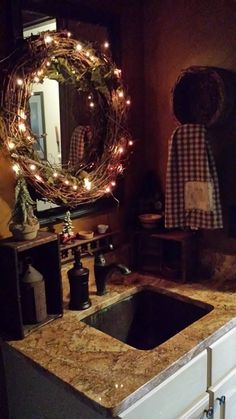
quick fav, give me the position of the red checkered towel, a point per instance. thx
(192, 190)
(80, 138)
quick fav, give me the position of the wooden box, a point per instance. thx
(171, 254)
(45, 255)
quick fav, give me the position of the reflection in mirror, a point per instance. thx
(58, 56)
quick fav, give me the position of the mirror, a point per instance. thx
(98, 89)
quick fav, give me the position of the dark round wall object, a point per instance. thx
(204, 95)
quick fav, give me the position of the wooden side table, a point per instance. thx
(171, 254)
(45, 255)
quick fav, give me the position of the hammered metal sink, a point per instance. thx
(148, 318)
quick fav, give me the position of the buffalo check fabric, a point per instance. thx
(80, 138)
(192, 189)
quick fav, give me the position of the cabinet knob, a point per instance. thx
(209, 412)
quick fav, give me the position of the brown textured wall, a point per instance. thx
(179, 34)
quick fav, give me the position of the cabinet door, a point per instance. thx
(198, 410)
(222, 356)
(174, 395)
(223, 397)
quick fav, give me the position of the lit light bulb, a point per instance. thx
(40, 72)
(67, 182)
(38, 178)
(130, 143)
(48, 63)
(113, 183)
(87, 184)
(48, 39)
(121, 150)
(92, 58)
(89, 97)
(16, 168)
(87, 54)
(55, 174)
(22, 114)
(36, 79)
(19, 82)
(117, 72)
(32, 167)
(11, 145)
(108, 189)
(91, 104)
(69, 34)
(75, 187)
(121, 93)
(128, 102)
(106, 44)
(22, 127)
(79, 47)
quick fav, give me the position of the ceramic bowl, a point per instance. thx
(102, 228)
(86, 234)
(150, 220)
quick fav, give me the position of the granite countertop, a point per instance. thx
(109, 374)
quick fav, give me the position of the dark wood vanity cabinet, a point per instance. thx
(45, 256)
(172, 254)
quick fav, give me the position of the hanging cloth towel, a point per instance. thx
(192, 190)
(80, 138)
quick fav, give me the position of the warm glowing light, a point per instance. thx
(121, 150)
(67, 182)
(79, 47)
(69, 34)
(128, 102)
(113, 183)
(108, 189)
(89, 97)
(16, 168)
(48, 63)
(91, 104)
(117, 72)
(120, 168)
(87, 184)
(106, 44)
(28, 137)
(92, 58)
(22, 114)
(55, 174)
(38, 178)
(32, 167)
(130, 143)
(11, 145)
(40, 72)
(48, 39)
(75, 187)
(87, 54)
(36, 79)
(19, 82)
(121, 93)
(22, 127)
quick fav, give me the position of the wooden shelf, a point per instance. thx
(100, 242)
(172, 254)
(45, 256)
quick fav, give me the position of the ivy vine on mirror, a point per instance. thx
(88, 175)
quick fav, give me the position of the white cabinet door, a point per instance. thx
(222, 357)
(223, 397)
(198, 410)
(173, 396)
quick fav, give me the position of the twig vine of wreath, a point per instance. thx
(57, 56)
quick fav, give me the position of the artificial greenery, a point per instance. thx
(23, 211)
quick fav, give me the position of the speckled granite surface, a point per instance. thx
(108, 373)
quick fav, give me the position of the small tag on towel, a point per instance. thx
(199, 195)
